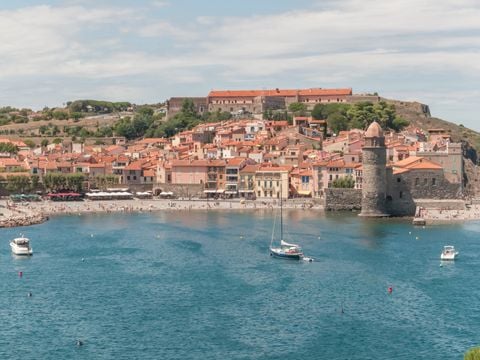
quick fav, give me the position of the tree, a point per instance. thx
(8, 148)
(145, 110)
(337, 122)
(57, 141)
(344, 182)
(297, 108)
(18, 183)
(44, 142)
(29, 143)
(35, 181)
(472, 354)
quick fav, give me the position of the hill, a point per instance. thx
(419, 116)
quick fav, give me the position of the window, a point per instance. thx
(259, 194)
(434, 181)
(271, 183)
(417, 181)
(400, 195)
(425, 181)
(134, 178)
(128, 177)
(398, 179)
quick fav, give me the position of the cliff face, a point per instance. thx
(419, 115)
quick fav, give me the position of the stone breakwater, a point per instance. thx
(17, 218)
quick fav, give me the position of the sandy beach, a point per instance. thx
(23, 214)
(445, 216)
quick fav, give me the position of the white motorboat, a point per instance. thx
(21, 246)
(448, 253)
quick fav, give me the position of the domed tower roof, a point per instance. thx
(374, 130)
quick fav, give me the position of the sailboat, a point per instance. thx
(286, 250)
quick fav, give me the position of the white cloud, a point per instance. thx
(333, 43)
(164, 28)
(160, 4)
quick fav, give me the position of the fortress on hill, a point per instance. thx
(258, 101)
(396, 190)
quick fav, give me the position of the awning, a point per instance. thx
(230, 192)
(246, 191)
(221, 191)
(305, 193)
(209, 191)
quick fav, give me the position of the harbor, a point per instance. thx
(201, 284)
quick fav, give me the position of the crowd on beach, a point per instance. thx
(23, 214)
(29, 213)
(434, 215)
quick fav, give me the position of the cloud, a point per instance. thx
(41, 39)
(160, 4)
(394, 46)
(164, 28)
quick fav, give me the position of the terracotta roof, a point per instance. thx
(408, 161)
(235, 161)
(250, 168)
(417, 163)
(280, 92)
(425, 165)
(137, 165)
(269, 168)
(400, 171)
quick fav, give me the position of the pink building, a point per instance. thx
(189, 171)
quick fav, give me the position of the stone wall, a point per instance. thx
(404, 189)
(374, 181)
(450, 204)
(180, 190)
(343, 199)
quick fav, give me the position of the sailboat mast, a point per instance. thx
(281, 212)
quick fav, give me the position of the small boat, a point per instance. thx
(21, 246)
(285, 250)
(448, 253)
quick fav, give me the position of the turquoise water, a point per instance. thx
(201, 285)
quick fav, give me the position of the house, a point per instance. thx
(272, 181)
(232, 174)
(189, 171)
(246, 187)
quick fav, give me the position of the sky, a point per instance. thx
(146, 51)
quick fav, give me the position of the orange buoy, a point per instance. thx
(390, 289)
(20, 273)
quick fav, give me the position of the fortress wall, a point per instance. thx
(343, 199)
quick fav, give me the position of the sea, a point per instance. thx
(201, 285)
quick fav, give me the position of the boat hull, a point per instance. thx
(448, 257)
(286, 256)
(17, 250)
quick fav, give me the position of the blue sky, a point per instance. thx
(147, 51)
